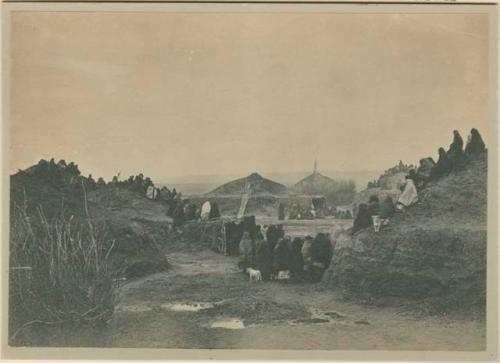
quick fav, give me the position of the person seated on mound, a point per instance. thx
(373, 206)
(417, 180)
(387, 208)
(425, 167)
(363, 218)
(475, 145)
(424, 172)
(443, 167)
(456, 152)
(178, 215)
(214, 211)
(409, 195)
(190, 212)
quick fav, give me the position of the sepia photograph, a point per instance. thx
(289, 177)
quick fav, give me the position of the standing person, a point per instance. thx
(296, 258)
(247, 252)
(264, 259)
(321, 254)
(307, 256)
(281, 212)
(281, 258)
(273, 235)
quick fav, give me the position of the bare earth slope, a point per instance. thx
(273, 315)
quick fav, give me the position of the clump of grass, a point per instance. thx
(59, 273)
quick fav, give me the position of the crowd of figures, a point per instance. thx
(453, 160)
(298, 212)
(275, 256)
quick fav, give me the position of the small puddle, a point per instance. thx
(191, 307)
(334, 314)
(135, 308)
(362, 322)
(229, 324)
(312, 321)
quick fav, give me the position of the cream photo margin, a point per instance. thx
(142, 354)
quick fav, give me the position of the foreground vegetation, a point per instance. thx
(59, 273)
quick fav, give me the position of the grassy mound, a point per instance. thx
(70, 243)
(435, 250)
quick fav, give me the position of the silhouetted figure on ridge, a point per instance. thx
(443, 166)
(456, 153)
(475, 145)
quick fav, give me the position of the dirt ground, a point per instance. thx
(203, 301)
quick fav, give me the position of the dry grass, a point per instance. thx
(59, 273)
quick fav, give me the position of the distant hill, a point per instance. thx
(314, 184)
(196, 185)
(258, 184)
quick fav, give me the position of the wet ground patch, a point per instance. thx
(228, 324)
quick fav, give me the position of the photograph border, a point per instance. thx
(490, 354)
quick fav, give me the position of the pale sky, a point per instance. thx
(188, 94)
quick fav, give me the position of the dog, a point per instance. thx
(284, 275)
(254, 275)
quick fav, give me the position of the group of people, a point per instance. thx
(366, 212)
(297, 212)
(183, 210)
(272, 253)
(455, 159)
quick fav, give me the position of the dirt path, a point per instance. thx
(205, 302)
